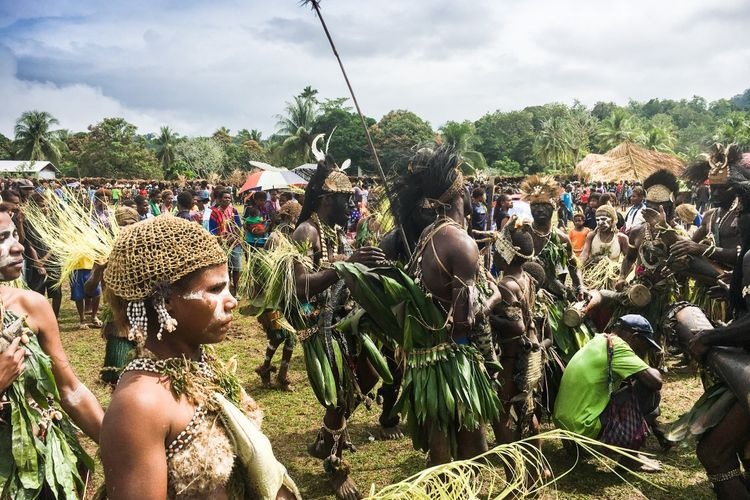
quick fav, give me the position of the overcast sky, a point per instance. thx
(198, 65)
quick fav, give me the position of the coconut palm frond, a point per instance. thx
(484, 475)
(70, 231)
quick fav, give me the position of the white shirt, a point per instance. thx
(633, 217)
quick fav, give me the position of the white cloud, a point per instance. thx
(196, 66)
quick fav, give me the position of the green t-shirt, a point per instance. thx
(115, 194)
(584, 392)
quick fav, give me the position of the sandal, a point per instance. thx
(96, 322)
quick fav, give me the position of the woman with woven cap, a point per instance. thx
(174, 428)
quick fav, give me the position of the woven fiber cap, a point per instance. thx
(158, 251)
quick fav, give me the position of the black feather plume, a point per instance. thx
(661, 177)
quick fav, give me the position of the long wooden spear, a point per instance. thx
(316, 7)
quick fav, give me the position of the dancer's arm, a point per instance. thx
(77, 400)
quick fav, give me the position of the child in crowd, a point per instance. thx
(578, 234)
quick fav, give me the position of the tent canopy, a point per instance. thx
(627, 162)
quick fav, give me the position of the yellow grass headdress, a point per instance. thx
(540, 189)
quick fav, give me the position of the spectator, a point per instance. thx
(256, 229)
(633, 217)
(702, 197)
(167, 201)
(578, 234)
(226, 224)
(567, 205)
(502, 206)
(607, 391)
(143, 207)
(154, 201)
(590, 213)
(203, 205)
(185, 205)
(478, 210)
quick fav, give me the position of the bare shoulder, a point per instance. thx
(26, 303)
(143, 397)
(306, 233)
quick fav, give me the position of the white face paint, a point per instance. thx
(8, 239)
(216, 300)
(603, 222)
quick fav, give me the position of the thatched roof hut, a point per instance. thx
(627, 161)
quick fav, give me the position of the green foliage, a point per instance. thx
(349, 140)
(734, 128)
(506, 135)
(200, 156)
(461, 136)
(505, 167)
(6, 148)
(296, 127)
(112, 149)
(397, 136)
(165, 145)
(34, 139)
(549, 137)
(618, 127)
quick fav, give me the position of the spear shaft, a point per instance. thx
(388, 193)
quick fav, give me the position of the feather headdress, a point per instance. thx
(715, 165)
(540, 189)
(660, 186)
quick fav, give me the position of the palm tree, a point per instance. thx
(553, 144)
(34, 139)
(309, 93)
(460, 135)
(616, 128)
(296, 127)
(734, 128)
(165, 148)
(660, 139)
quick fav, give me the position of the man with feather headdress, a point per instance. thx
(320, 231)
(717, 238)
(648, 247)
(721, 417)
(555, 253)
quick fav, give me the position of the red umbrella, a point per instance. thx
(269, 179)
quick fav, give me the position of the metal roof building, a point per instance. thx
(38, 169)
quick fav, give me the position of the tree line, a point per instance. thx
(551, 137)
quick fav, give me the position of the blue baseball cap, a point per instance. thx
(640, 326)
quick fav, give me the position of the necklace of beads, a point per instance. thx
(539, 233)
(160, 366)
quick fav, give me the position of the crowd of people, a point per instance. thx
(476, 305)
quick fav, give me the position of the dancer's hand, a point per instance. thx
(653, 217)
(620, 285)
(696, 347)
(368, 256)
(12, 363)
(685, 247)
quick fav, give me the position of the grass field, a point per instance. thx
(292, 419)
